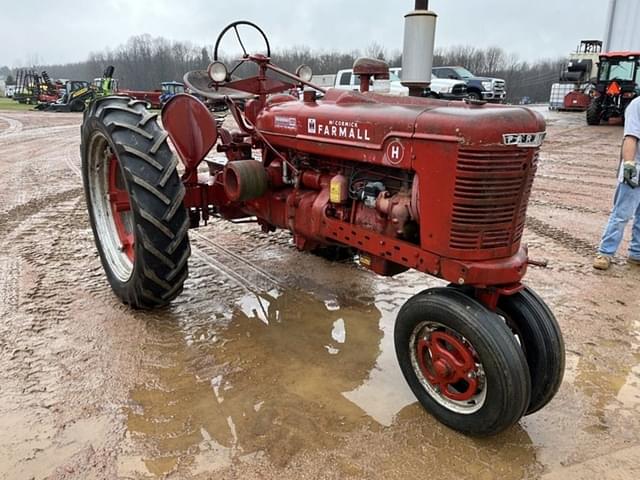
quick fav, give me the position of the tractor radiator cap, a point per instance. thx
(371, 66)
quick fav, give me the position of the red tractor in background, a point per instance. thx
(406, 182)
(617, 84)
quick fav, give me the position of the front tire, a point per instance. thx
(541, 340)
(134, 197)
(474, 95)
(462, 362)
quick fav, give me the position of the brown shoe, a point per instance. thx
(602, 262)
(633, 261)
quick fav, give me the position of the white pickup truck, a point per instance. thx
(440, 87)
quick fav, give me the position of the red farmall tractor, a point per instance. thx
(406, 182)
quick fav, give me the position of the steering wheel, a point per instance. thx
(234, 25)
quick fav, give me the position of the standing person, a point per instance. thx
(626, 201)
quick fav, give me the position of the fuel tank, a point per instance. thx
(380, 129)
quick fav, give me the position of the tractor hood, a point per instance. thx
(370, 121)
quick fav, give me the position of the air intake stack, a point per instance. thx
(417, 53)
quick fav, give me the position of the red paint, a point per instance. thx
(120, 206)
(625, 53)
(151, 96)
(455, 196)
(192, 130)
(368, 69)
(448, 363)
(577, 100)
(490, 296)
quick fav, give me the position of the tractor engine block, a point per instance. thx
(376, 198)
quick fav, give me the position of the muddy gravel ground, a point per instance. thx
(277, 364)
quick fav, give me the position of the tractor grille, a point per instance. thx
(490, 198)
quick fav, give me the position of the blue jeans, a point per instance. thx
(626, 205)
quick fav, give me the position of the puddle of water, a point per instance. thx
(629, 393)
(287, 372)
(600, 398)
(384, 392)
(268, 389)
(266, 386)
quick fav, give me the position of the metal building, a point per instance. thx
(623, 26)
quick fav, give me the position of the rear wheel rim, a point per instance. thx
(111, 208)
(448, 368)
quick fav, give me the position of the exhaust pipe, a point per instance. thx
(417, 52)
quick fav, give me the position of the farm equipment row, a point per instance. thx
(33, 87)
(398, 182)
(156, 98)
(37, 89)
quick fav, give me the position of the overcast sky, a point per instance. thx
(66, 31)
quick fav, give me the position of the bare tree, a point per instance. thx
(144, 61)
(375, 50)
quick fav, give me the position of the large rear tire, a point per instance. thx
(462, 362)
(134, 196)
(594, 112)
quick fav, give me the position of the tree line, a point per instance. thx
(143, 62)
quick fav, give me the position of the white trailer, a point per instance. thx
(622, 31)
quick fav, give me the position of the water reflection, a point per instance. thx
(599, 400)
(384, 392)
(287, 375)
(267, 383)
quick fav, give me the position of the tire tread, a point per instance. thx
(156, 195)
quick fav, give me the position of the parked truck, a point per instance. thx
(479, 88)
(443, 88)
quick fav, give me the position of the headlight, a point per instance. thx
(304, 72)
(218, 72)
(488, 85)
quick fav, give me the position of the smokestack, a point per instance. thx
(417, 53)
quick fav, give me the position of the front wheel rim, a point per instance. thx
(448, 368)
(111, 207)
